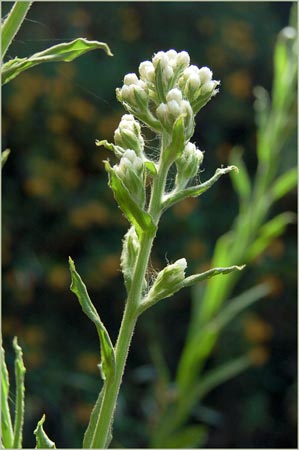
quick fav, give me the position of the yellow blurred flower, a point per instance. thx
(33, 335)
(58, 277)
(185, 207)
(259, 355)
(89, 214)
(238, 35)
(88, 362)
(239, 84)
(131, 30)
(257, 329)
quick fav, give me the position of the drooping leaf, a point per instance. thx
(141, 220)
(61, 52)
(107, 350)
(42, 440)
(20, 395)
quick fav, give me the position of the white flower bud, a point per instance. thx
(183, 59)
(161, 58)
(172, 57)
(162, 111)
(193, 82)
(207, 87)
(147, 71)
(128, 134)
(187, 165)
(205, 74)
(173, 108)
(174, 94)
(167, 74)
(130, 78)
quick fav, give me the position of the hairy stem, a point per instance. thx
(130, 316)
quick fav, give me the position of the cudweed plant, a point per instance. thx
(165, 97)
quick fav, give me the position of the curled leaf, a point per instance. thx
(42, 440)
(66, 52)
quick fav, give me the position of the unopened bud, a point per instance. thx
(168, 281)
(128, 134)
(132, 173)
(187, 165)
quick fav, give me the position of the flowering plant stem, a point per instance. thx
(131, 313)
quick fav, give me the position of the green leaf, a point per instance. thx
(62, 52)
(270, 230)
(195, 191)
(141, 220)
(20, 395)
(107, 351)
(42, 440)
(191, 436)
(285, 183)
(176, 147)
(159, 84)
(220, 375)
(6, 423)
(240, 178)
(12, 24)
(89, 433)
(194, 279)
(4, 156)
(151, 167)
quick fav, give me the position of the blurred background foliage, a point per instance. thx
(56, 203)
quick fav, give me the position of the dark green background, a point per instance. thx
(56, 203)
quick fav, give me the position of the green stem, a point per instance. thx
(131, 312)
(12, 23)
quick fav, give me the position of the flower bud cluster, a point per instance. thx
(155, 94)
(198, 83)
(176, 106)
(187, 165)
(134, 91)
(131, 171)
(168, 281)
(128, 134)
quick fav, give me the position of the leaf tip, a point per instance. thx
(71, 263)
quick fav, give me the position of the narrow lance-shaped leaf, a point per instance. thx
(240, 179)
(270, 230)
(285, 183)
(193, 279)
(6, 423)
(62, 52)
(42, 440)
(20, 395)
(195, 191)
(107, 351)
(12, 24)
(141, 220)
(176, 147)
